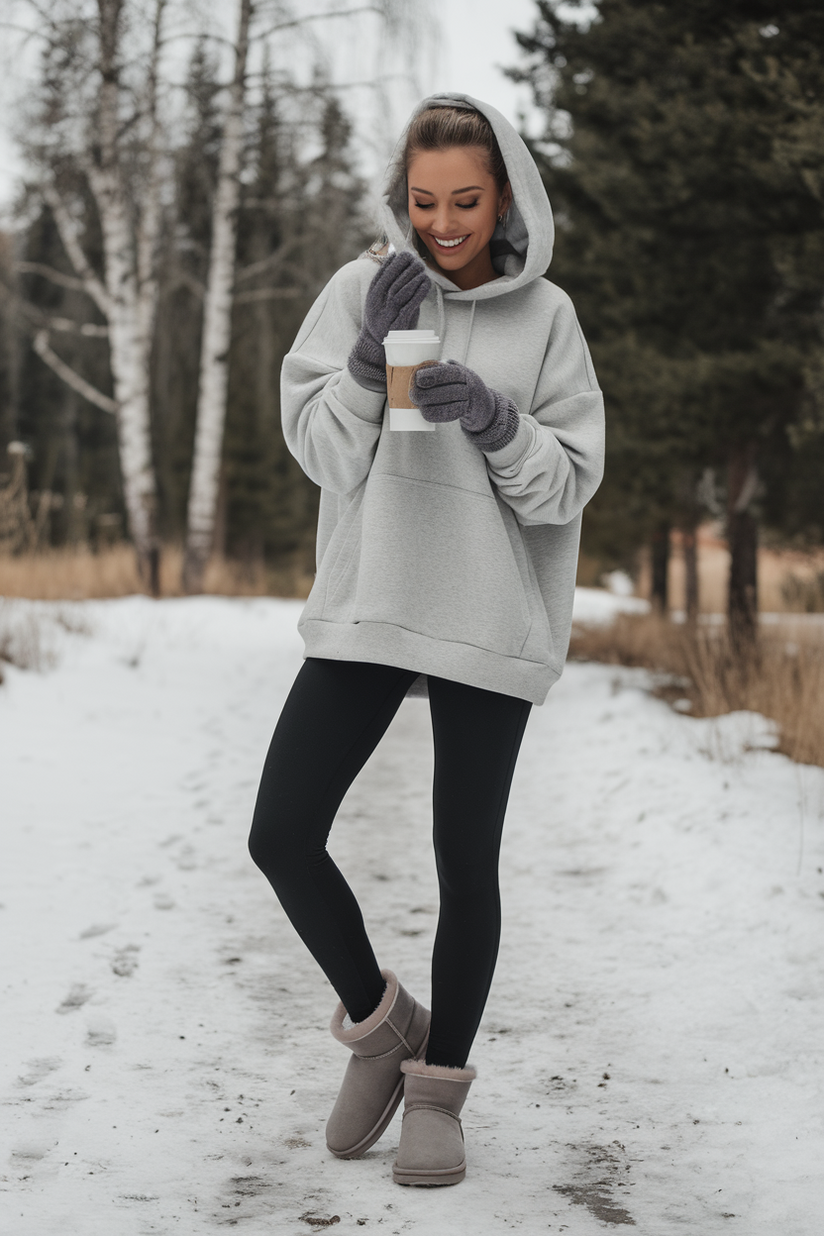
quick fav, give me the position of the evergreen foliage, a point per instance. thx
(683, 155)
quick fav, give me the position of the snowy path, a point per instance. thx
(652, 1051)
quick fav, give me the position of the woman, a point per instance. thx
(446, 562)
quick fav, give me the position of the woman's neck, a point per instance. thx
(477, 272)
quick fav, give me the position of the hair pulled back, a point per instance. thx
(443, 127)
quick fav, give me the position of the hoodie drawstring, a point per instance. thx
(469, 332)
(441, 331)
(441, 312)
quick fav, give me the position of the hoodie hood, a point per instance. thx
(521, 252)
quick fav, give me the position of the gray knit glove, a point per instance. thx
(447, 391)
(392, 303)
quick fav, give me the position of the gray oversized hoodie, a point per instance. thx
(433, 555)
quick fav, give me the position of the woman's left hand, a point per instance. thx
(447, 391)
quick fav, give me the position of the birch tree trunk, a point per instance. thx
(217, 324)
(127, 294)
(130, 285)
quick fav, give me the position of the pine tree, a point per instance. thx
(684, 161)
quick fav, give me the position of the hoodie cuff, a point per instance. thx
(362, 401)
(513, 454)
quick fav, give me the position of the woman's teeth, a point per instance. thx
(449, 244)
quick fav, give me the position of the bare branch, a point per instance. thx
(267, 264)
(323, 87)
(72, 379)
(10, 25)
(89, 329)
(197, 35)
(301, 21)
(35, 314)
(92, 285)
(48, 272)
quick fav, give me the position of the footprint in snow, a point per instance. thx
(186, 860)
(125, 961)
(163, 901)
(76, 998)
(100, 1032)
(38, 1069)
(31, 1152)
(97, 929)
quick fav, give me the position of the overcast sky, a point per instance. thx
(475, 39)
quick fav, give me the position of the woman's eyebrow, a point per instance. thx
(415, 189)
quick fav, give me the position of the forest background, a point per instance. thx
(180, 212)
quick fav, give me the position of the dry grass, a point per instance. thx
(780, 676)
(78, 574)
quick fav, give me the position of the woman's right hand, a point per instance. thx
(392, 303)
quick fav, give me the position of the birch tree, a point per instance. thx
(217, 319)
(217, 311)
(125, 293)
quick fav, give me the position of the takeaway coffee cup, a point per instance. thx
(405, 351)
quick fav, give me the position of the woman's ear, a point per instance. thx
(505, 200)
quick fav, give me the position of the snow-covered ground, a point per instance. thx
(651, 1054)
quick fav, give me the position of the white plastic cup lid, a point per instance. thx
(406, 334)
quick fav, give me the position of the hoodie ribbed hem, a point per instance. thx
(382, 644)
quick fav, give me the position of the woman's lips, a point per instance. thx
(450, 246)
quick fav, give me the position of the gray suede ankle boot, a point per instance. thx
(373, 1084)
(431, 1150)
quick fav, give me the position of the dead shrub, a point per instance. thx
(24, 642)
(780, 675)
(804, 594)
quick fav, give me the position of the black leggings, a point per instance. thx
(331, 723)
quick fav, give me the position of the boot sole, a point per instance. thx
(377, 1131)
(430, 1179)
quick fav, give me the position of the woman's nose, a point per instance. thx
(445, 221)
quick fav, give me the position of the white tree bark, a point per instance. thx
(217, 326)
(72, 379)
(401, 21)
(131, 287)
(127, 293)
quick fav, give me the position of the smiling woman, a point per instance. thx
(458, 191)
(456, 224)
(446, 560)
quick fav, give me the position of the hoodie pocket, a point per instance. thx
(438, 561)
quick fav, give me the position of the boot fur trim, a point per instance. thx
(362, 1028)
(443, 1072)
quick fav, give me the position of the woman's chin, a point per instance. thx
(448, 262)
